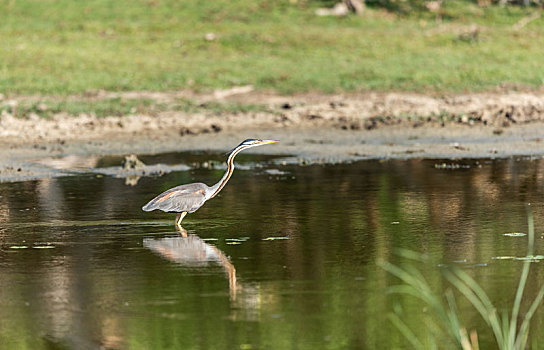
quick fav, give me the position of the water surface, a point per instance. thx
(286, 257)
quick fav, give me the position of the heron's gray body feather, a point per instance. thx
(182, 198)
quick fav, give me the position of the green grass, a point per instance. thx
(66, 47)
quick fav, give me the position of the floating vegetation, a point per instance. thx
(276, 172)
(478, 265)
(533, 258)
(275, 238)
(463, 262)
(34, 247)
(241, 239)
(503, 257)
(451, 166)
(514, 234)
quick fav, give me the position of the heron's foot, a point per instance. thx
(181, 231)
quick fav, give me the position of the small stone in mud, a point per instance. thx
(498, 131)
(185, 131)
(132, 162)
(313, 116)
(334, 104)
(281, 118)
(370, 124)
(317, 142)
(357, 154)
(459, 147)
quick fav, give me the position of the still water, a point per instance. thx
(286, 257)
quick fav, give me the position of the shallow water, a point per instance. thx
(286, 257)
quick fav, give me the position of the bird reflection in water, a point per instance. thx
(190, 250)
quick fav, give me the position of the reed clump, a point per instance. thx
(510, 328)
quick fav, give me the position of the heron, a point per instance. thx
(189, 198)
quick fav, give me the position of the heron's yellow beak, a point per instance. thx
(265, 142)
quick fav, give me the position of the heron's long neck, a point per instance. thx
(230, 168)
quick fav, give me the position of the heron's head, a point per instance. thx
(252, 143)
(256, 142)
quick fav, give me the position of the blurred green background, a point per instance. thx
(65, 46)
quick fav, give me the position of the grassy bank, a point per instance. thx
(65, 47)
(49, 107)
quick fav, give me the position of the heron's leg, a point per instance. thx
(180, 217)
(181, 230)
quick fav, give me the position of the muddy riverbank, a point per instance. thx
(312, 129)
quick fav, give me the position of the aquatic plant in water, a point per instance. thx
(508, 333)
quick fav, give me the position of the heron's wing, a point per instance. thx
(179, 199)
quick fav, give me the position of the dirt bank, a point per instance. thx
(312, 127)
